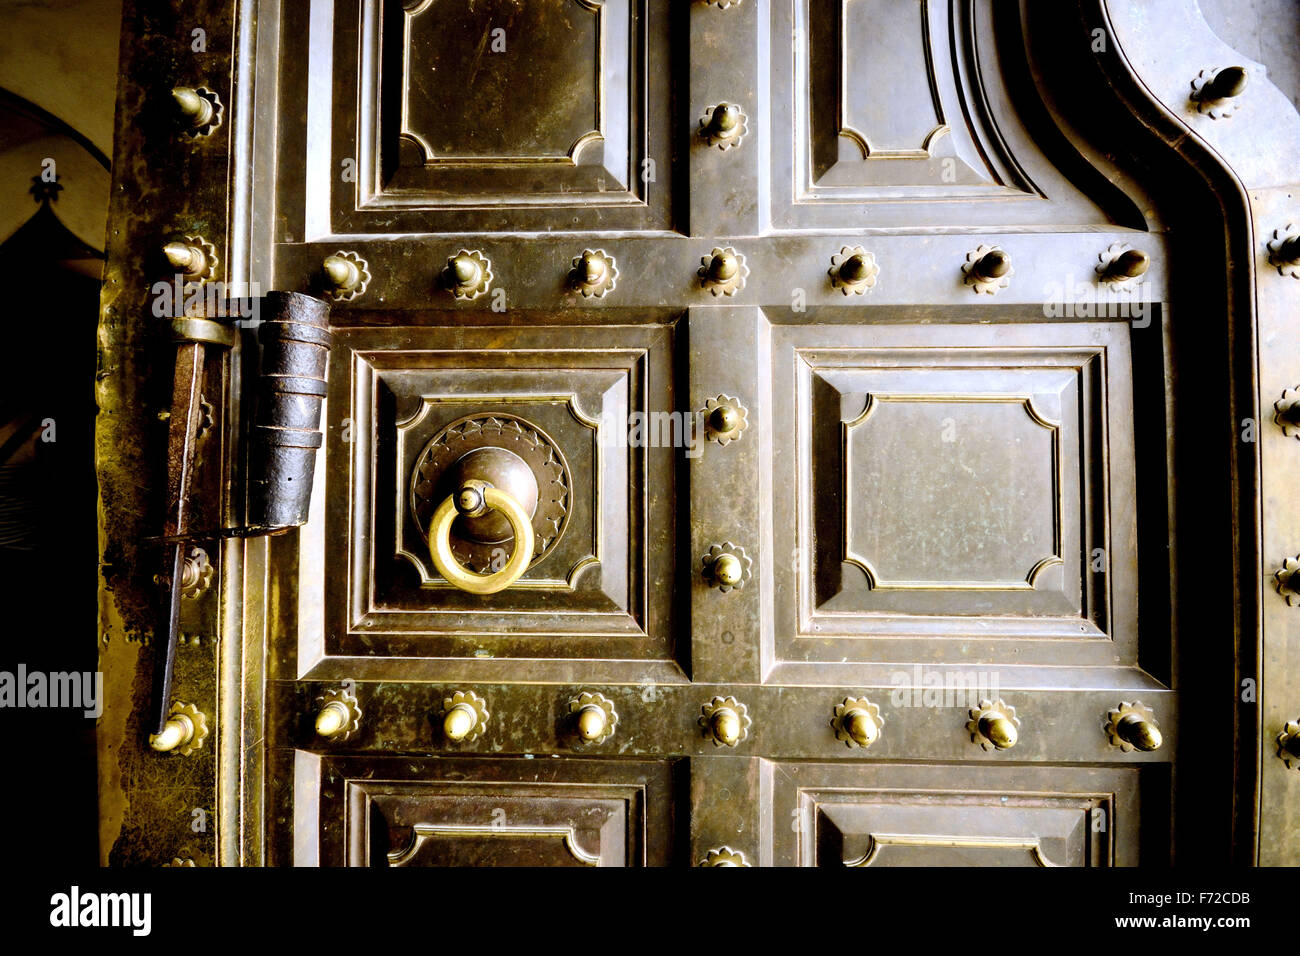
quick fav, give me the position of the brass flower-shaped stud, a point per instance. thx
(725, 419)
(594, 273)
(464, 716)
(193, 257)
(468, 274)
(197, 110)
(1286, 412)
(853, 271)
(723, 271)
(987, 269)
(1287, 580)
(339, 714)
(727, 566)
(723, 126)
(1121, 266)
(1217, 93)
(724, 856)
(196, 573)
(345, 276)
(184, 732)
(1284, 251)
(1288, 744)
(594, 716)
(1132, 726)
(857, 722)
(725, 720)
(994, 725)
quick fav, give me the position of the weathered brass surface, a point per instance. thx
(933, 487)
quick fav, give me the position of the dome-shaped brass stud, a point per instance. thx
(339, 717)
(344, 275)
(594, 273)
(723, 271)
(1217, 93)
(183, 733)
(468, 274)
(987, 269)
(857, 722)
(723, 126)
(994, 725)
(727, 566)
(853, 271)
(726, 720)
(594, 717)
(465, 716)
(197, 111)
(1132, 726)
(725, 419)
(1284, 250)
(192, 256)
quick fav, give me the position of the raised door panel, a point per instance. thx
(476, 116)
(902, 815)
(469, 811)
(955, 492)
(407, 409)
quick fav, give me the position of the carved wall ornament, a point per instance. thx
(853, 271)
(198, 110)
(594, 273)
(725, 419)
(464, 716)
(345, 276)
(857, 722)
(1132, 726)
(1288, 582)
(994, 725)
(1217, 92)
(1284, 250)
(724, 125)
(338, 715)
(987, 269)
(723, 271)
(1288, 744)
(727, 566)
(436, 476)
(468, 274)
(594, 716)
(725, 720)
(1121, 266)
(724, 855)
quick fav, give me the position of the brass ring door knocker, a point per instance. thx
(475, 499)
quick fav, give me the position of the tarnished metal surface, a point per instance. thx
(1060, 564)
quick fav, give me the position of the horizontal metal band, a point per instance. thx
(207, 331)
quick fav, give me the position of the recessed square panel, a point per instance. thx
(955, 482)
(410, 411)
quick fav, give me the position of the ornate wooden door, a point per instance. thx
(819, 377)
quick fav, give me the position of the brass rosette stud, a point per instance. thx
(723, 271)
(725, 419)
(594, 716)
(724, 125)
(1132, 726)
(994, 725)
(193, 257)
(468, 274)
(1286, 412)
(184, 732)
(198, 110)
(725, 720)
(196, 573)
(1287, 581)
(1121, 266)
(1284, 250)
(853, 271)
(1288, 744)
(1217, 92)
(594, 273)
(987, 269)
(338, 715)
(464, 716)
(724, 856)
(857, 722)
(345, 276)
(727, 566)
